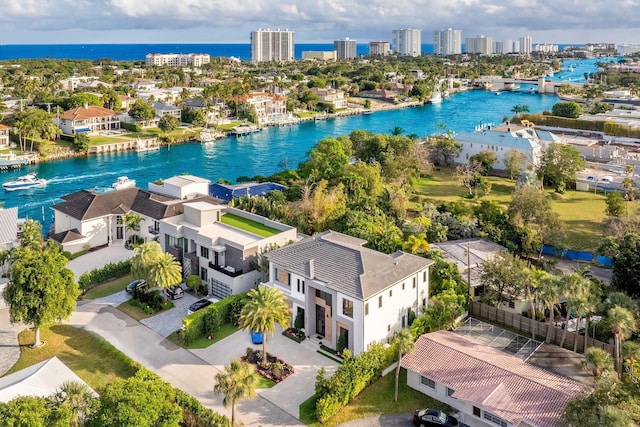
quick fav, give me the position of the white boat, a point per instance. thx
(498, 93)
(24, 183)
(436, 98)
(123, 182)
(244, 129)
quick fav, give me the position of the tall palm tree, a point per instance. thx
(532, 283)
(78, 398)
(266, 307)
(622, 323)
(238, 381)
(404, 343)
(165, 272)
(598, 361)
(573, 286)
(143, 258)
(549, 296)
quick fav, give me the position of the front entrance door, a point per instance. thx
(119, 233)
(320, 320)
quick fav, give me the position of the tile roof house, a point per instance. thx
(4, 136)
(487, 386)
(88, 118)
(341, 288)
(221, 244)
(96, 219)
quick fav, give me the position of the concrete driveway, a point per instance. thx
(98, 259)
(167, 322)
(290, 393)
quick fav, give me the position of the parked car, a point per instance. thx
(200, 304)
(257, 337)
(136, 284)
(174, 292)
(433, 417)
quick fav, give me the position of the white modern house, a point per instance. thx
(488, 387)
(221, 244)
(503, 139)
(268, 108)
(89, 118)
(340, 288)
(87, 218)
(4, 136)
(331, 96)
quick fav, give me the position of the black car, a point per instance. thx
(136, 284)
(198, 305)
(433, 417)
(174, 292)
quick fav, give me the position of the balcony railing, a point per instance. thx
(153, 230)
(229, 271)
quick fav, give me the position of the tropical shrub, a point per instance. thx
(108, 272)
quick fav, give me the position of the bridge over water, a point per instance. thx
(544, 85)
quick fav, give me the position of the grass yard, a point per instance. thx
(248, 225)
(137, 313)
(204, 342)
(108, 288)
(229, 126)
(582, 212)
(377, 399)
(93, 359)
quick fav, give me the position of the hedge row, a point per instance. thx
(99, 275)
(350, 379)
(208, 320)
(564, 122)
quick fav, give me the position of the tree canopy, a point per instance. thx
(560, 165)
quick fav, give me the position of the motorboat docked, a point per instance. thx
(123, 182)
(24, 182)
(244, 129)
(436, 98)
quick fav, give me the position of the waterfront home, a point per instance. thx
(487, 386)
(250, 189)
(164, 109)
(214, 109)
(503, 139)
(384, 94)
(4, 136)
(87, 119)
(222, 245)
(342, 289)
(90, 219)
(330, 96)
(265, 106)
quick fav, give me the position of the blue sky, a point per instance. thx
(231, 21)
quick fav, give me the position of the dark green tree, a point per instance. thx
(571, 110)
(168, 123)
(141, 111)
(81, 142)
(560, 165)
(615, 204)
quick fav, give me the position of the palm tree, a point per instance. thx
(143, 258)
(416, 244)
(238, 381)
(131, 222)
(598, 361)
(78, 397)
(266, 307)
(404, 343)
(548, 294)
(165, 272)
(631, 357)
(622, 323)
(573, 286)
(397, 131)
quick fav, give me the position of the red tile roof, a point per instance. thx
(4, 127)
(82, 113)
(503, 384)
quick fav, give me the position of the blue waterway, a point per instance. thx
(260, 153)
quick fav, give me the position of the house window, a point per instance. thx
(389, 328)
(494, 419)
(450, 392)
(424, 276)
(414, 283)
(366, 309)
(176, 242)
(390, 293)
(403, 286)
(380, 301)
(512, 304)
(203, 273)
(300, 286)
(428, 382)
(204, 252)
(283, 277)
(347, 307)
(476, 411)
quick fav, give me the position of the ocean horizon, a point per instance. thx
(138, 52)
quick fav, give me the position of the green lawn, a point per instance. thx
(229, 126)
(93, 359)
(136, 312)
(582, 212)
(248, 225)
(204, 342)
(108, 288)
(377, 399)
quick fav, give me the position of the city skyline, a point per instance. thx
(206, 21)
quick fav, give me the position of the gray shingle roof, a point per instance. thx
(345, 265)
(8, 225)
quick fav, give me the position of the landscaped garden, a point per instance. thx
(272, 368)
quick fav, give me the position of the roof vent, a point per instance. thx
(312, 274)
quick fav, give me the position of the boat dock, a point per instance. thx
(140, 145)
(12, 160)
(244, 129)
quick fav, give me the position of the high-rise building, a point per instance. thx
(479, 44)
(345, 48)
(268, 45)
(407, 42)
(526, 44)
(379, 48)
(447, 42)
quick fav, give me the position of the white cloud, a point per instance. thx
(317, 20)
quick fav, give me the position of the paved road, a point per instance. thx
(9, 348)
(389, 420)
